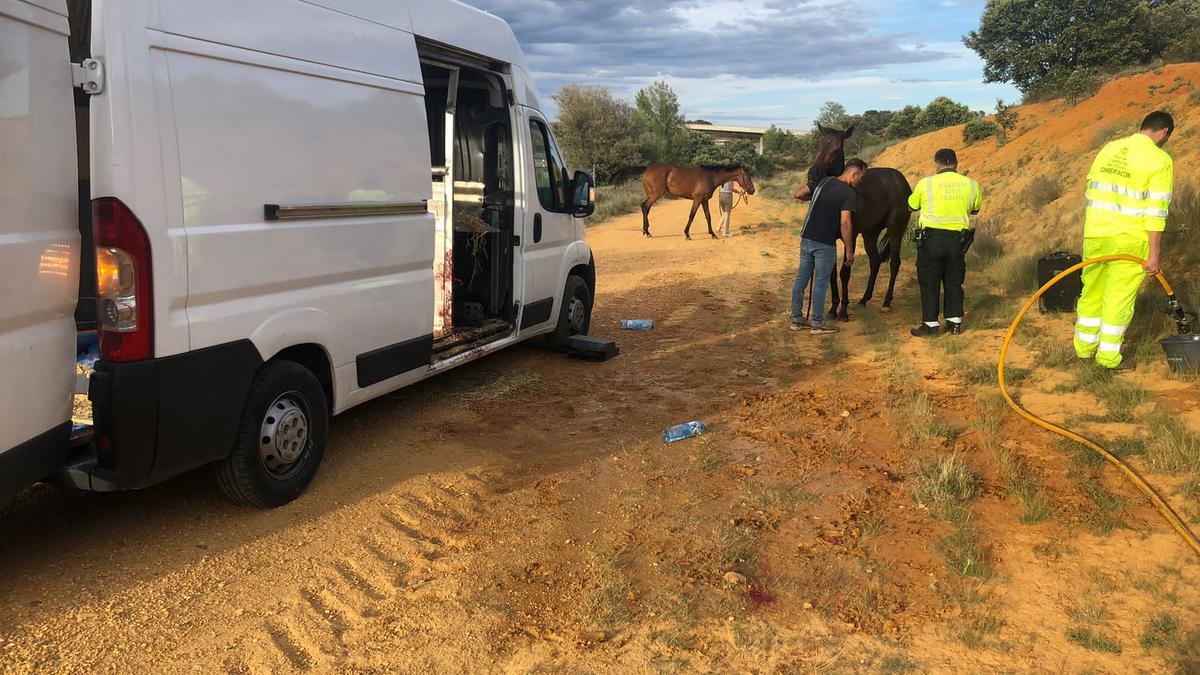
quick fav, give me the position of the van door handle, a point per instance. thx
(537, 227)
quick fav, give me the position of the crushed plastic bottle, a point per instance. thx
(681, 432)
(637, 324)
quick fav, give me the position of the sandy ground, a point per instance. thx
(522, 515)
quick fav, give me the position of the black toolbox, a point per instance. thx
(1065, 294)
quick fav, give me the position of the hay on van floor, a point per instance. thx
(472, 222)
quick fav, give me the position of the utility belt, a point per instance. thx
(965, 237)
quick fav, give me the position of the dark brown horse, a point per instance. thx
(696, 183)
(882, 207)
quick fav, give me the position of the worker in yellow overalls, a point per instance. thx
(1129, 192)
(946, 200)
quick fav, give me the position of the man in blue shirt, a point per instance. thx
(829, 219)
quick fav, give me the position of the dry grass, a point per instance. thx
(778, 498)
(832, 350)
(606, 605)
(613, 201)
(1105, 510)
(922, 425)
(946, 486)
(737, 548)
(503, 387)
(1172, 446)
(1023, 485)
(1042, 192)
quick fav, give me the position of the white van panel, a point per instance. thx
(132, 154)
(250, 135)
(300, 30)
(39, 236)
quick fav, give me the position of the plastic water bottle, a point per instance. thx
(637, 324)
(681, 432)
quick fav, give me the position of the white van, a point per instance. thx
(297, 206)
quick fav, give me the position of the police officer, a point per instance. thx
(1128, 194)
(946, 201)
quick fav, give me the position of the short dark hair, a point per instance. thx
(946, 157)
(856, 163)
(1159, 120)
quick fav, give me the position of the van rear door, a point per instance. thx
(39, 241)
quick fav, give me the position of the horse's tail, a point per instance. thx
(624, 175)
(885, 245)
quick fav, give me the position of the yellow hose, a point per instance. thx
(1159, 503)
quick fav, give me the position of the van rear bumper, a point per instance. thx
(159, 418)
(39, 457)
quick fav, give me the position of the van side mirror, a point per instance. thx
(583, 195)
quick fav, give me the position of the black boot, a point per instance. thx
(954, 328)
(925, 331)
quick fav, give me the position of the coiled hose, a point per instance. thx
(1131, 473)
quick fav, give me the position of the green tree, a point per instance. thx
(1036, 43)
(875, 121)
(905, 123)
(833, 115)
(941, 113)
(596, 131)
(656, 108)
(1007, 115)
(742, 153)
(779, 142)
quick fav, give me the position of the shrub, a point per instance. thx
(1080, 85)
(1107, 134)
(1007, 116)
(977, 130)
(1042, 192)
(617, 200)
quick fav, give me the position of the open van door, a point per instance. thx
(39, 241)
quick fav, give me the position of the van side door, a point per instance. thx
(39, 241)
(549, 227)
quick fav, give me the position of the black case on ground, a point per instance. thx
(1065, 294)
(592, 348)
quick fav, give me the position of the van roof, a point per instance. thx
(457, 24)
(448, 22)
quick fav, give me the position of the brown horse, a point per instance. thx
(882, 207)
(696, 183)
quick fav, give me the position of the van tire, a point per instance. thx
(247, 476)
(574, 316)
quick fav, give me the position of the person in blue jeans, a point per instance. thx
(829, 219)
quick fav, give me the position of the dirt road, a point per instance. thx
(521, 514)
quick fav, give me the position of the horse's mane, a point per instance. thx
(722, 167)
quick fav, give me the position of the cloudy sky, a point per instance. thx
(758, 62)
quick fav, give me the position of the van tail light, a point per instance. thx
(125, 303)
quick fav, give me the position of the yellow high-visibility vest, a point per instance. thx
(1129, 189)
(947, 200)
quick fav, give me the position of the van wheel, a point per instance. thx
(575, 316)
(280, 438)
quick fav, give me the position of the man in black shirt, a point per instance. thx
(829, 219)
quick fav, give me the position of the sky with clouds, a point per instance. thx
(757, 62)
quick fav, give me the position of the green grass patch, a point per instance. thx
(832, 350)
(1161, 630)
(1093, 640)
(965, 554)
(1121, 399)
(1106, 509)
